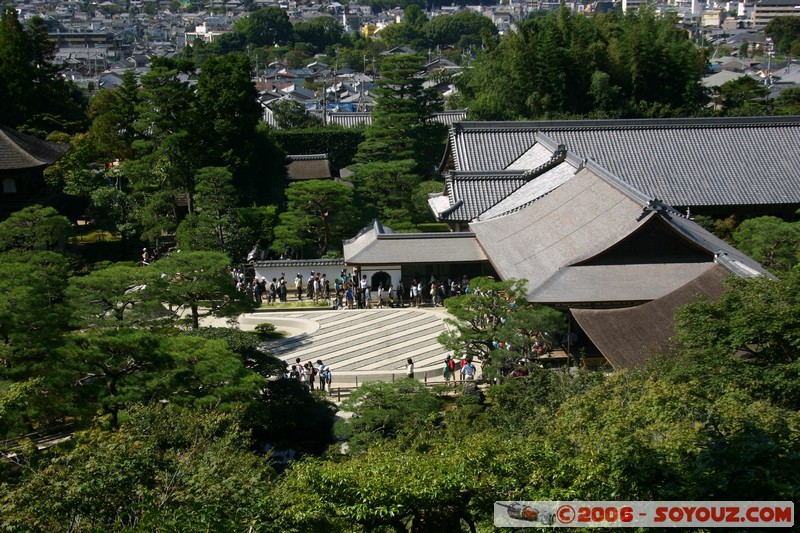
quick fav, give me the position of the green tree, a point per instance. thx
(227, 99)
(199, 284)
(290, 114)
(206, 372)
(255, 227)
(771, 241)
(119, 295)
(785, 31)
(167, 152)
(215, 200)
(787, 102)
(318, 214)
(493, 312)
(245, 345)
(319, 32)
(647, 65)
(113, 114)
(31, 88)
(743, 96)
(113, 211)
(397, 152)
(447, 30)
(165, 468)
(34, 228)
(288, 416)
(117, 366)
(33, 315)
(384, 410)
(756, 318)
(268, 26)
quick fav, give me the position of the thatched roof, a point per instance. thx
(629, 336)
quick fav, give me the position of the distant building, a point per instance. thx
(766, 10)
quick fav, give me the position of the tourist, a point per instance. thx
(320, 372)
(468, 371)
(410, 368)
(298, 286)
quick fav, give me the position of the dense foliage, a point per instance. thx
(34, 94)
(400, 146)
(561, 64)
(170, 421)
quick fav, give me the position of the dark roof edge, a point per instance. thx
(290, 262)
(429, 235)
(487, 173)
(306, 157)
(644, 123)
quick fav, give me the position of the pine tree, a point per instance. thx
(402, 143)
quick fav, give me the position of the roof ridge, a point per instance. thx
(636, 123)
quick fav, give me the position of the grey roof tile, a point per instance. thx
(685, 162)
(20, 151)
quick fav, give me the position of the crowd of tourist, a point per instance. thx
(347, 291)
(310, 372)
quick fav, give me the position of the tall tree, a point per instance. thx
(215, 200)
(31, 89)
(268, 26)
(167, 153)
(228, 102)
(318, 213)
(397, 152)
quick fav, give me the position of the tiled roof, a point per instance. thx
(685, 162)
(531, 191)
(376, 245)
(490, 149)
(20, 151)
(473, 193)
(359, 118)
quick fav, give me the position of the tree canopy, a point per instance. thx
(33, 93)
(562, 64)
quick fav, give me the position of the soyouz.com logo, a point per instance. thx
(643, 514)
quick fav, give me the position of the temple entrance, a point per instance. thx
(379, 278)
